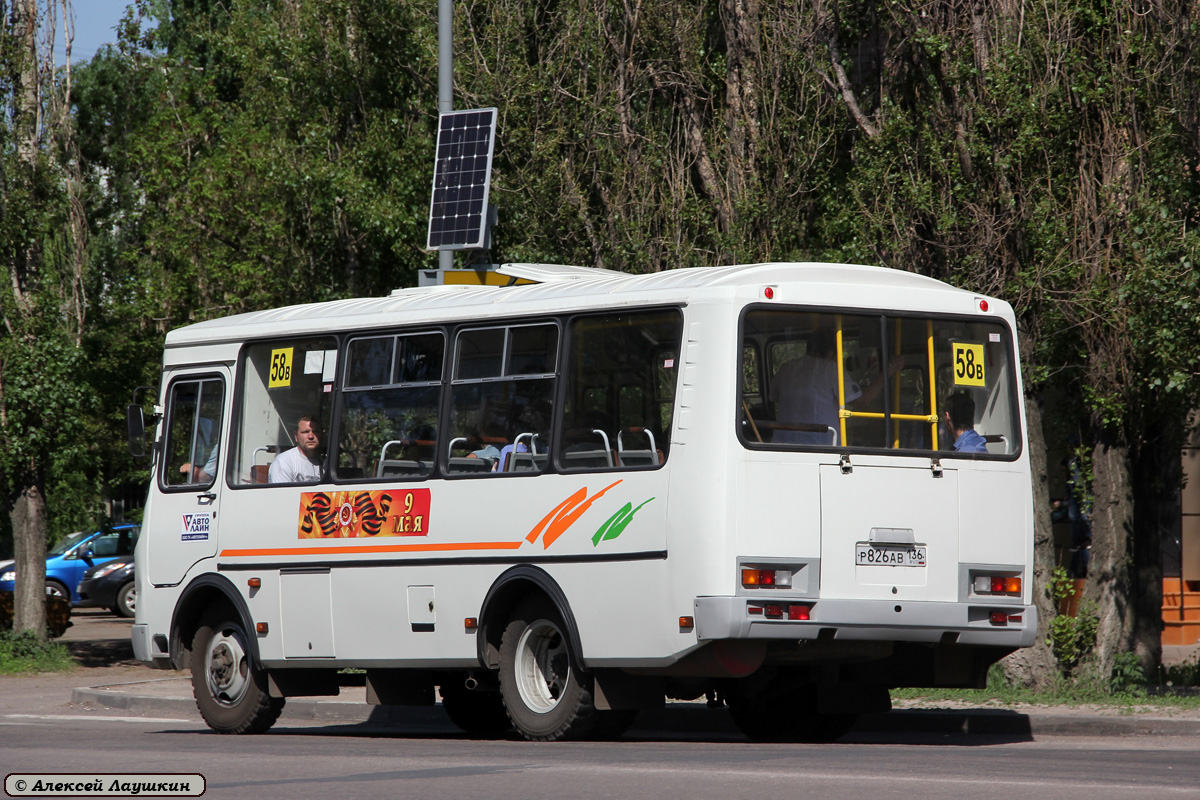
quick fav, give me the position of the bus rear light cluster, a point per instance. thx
(997, 584)
(770, 578)
(796, 611)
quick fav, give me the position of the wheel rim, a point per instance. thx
(543, 666)
(54, 590)
(227, 667)
(131, 599)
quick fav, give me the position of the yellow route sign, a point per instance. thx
(968, 364)
(281, 368)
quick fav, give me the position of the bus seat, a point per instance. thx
(466, 464)
(529, 462)
(638, 458)
(398, 468)
(259, 472)
(997, 438)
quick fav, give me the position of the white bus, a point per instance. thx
(559, 503)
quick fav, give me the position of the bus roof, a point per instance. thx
(570, 288)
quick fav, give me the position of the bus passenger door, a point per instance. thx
(182, 519)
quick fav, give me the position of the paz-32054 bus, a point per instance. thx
(789, 487)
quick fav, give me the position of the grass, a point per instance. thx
(1125, 692)
(25, 653)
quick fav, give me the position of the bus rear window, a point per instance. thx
(878, 382)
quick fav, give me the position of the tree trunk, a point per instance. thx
(28, 515)
(1157, 476)
(1110, 577)
(1036, 666)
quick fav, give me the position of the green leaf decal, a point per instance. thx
(615, 525)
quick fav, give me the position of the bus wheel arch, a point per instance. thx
(205, 593)
(506, 593)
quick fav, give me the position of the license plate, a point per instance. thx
(872, 555)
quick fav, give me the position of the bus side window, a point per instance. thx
(390, 398)
(501, 400)
(193, 433)
(620, 391)
(279, 382)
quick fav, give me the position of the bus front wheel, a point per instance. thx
(230, 689)
(545, 694)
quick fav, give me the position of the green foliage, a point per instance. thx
(1071, 639)
(1127, 675)
(25, 652)
(1185, 674)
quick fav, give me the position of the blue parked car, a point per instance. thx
(69, 559)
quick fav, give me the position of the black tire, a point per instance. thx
(784, 711)
(230, 689)
(56, 589)
(126, 605)
(477, 713)
(546, 695)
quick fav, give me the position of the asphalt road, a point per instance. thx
(41, 731)
(308, 761)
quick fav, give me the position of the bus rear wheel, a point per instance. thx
(230, 689)
(546, 695)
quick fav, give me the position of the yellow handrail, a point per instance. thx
(932, 387)
(880, 415)
(896, 394)
(843, 412)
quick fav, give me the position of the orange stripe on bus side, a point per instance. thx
(378, 548)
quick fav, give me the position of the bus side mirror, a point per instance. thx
(135, 421)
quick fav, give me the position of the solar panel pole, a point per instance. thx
(445, 85)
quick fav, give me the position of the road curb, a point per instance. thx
(678, 717)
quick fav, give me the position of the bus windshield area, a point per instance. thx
(878, 382)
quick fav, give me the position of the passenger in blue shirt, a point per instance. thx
(959, 416)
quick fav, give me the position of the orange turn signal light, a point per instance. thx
(254, 583)
(261, 627)
(471, 623)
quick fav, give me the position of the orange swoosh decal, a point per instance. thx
(564, 515)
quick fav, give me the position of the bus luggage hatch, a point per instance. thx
(889, 533)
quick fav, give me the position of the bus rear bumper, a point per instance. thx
(869, 620)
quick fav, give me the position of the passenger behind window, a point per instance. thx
(206, 448)
(804, 391)
(959, 417)
(301, 464)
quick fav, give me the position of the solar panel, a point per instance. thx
(461, 178)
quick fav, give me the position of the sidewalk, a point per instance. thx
(171, 695)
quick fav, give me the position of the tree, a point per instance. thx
(42, 302)
(1048, 158)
